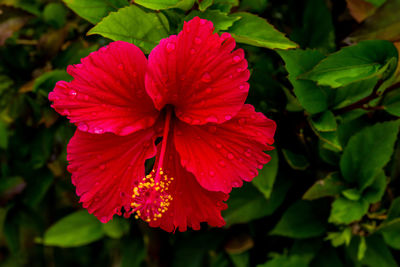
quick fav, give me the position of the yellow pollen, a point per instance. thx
(150, 198)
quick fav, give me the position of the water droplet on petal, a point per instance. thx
(206, 77)
(212, 173)
(197, 40)
(170, 47)
(122, 194)
(212, 119)
(241, 87)
(86, 97)
(203, 21)
(196, 121)
(178, 132)
(222, 163)
(83, 127)
(72, 93)
(192, 51)
(239, 69)
(102, 166)
(66, 112)
(236, 59)
(187, 119)
(236, 184)
(247, 154)
(120, 67)
(260, 166)
(228, 117)
(98, 130)
(230, 156)
(219, 146)
(103, 219)
(254, 173)
(242, 121)
(96, 184)
(208, 90)
(230, 76)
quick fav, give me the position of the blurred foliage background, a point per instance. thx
(330, 195)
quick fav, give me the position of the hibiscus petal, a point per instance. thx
(105, 166)
(107, 93)
(222, 155)
(191, 204)
(198, 73)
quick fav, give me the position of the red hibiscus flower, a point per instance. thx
(190, 92)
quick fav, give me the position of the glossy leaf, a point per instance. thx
(265, 35)
(313, 98)
(355, 63)
(367, 152)
(77, 229)
(345, 211)
(165, 4)
(330, 186)
(220, 20)
(94, 10)
(134, 25)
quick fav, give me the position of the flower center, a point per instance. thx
(150, 197)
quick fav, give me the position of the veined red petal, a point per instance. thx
(191, 204)
(105, 167)
(198, 74)
(222, 155)
(107, 93)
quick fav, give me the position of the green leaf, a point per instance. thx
(391, 233)
(390, 228)
(94, 10)
(353, 92)
(165, 4)
(394, 211)
(377, 253)
(317, 31)
(220, 20)
(324, 122)
(304, 219)
(296, 161)
(330, 186)
(376, 190)
(391, 102)
(361, 166)
(355, 63)
(352, 194)
(347, 211)
(204, 4)
(77, 229)
(313, 98)
(362, 248)
(134, 25)
(116, 228)
(55, 14)
(267, 175)
(340, 238)
(248, 203)
(265, 35)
